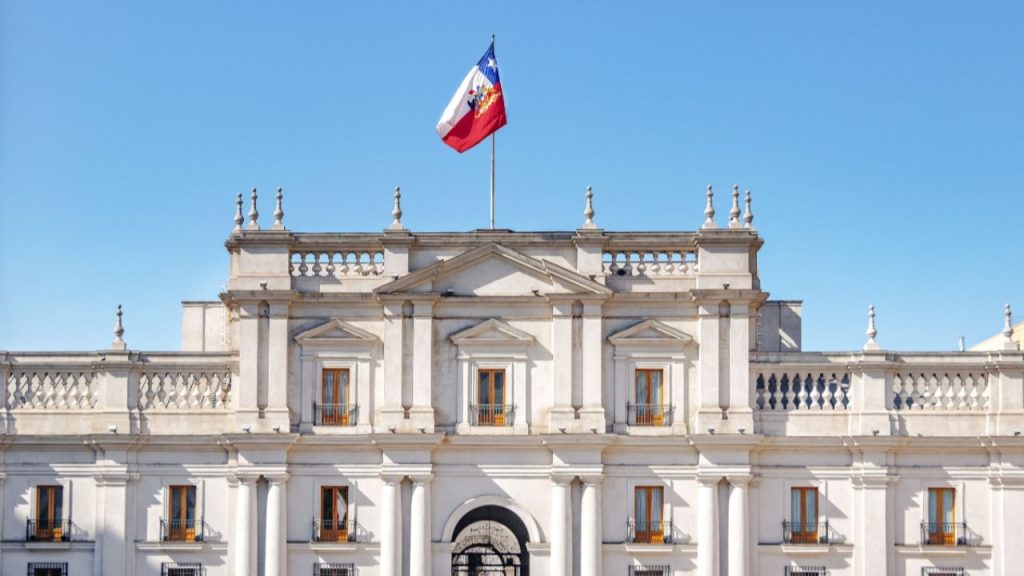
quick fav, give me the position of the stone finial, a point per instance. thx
(709, 211)
(118, 343)
(734, 212)
(396, 212)
(588, 212)
(279, 211)
(871, 344)
(748, 214)
(253, 213)
(238, 213)
(1008, 343)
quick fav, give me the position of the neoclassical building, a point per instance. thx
(499, 403)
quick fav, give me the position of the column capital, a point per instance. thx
(709, 479)
(592, 479)
(244, 478)
(392, 478)
(277, 479)
(740, 480)
(421, 479)
(562, 477)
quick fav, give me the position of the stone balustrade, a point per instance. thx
(122, 391)
(649, 263)
(888, 393)
(337, 264)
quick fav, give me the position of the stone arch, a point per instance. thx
(532, 528)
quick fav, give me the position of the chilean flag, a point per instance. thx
(478, 108)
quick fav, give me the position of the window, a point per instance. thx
(943, 572)
(804, 524)
(491, 397)
(334, 569)
(941, 526)
(649, 571)
(650, 403)
(335, 408)
(49, 520)
(809, 571)
(333, 514)
(181, 514)
(47, 569)
(648, 525)
(181, 569)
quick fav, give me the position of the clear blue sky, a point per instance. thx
(883, 143)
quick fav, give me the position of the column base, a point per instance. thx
(389, 419)
(562, 418)
(420, 417)
(592, 418)
(709, 419)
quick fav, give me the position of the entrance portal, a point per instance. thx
(490, 541)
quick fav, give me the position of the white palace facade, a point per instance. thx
(499, 403)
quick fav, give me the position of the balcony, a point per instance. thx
(327, 531)
(650, 415)
(948, 534)
(492, 414)
(809, 533)
(335, 414)
(43, 530)
(649, 532)
(177, 530)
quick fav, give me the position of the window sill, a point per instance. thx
(805, 549)
(333, 546)
(50, 546)
(517, 429)
(642, 548)
(926, 550)
(173, 546)
(357, 430)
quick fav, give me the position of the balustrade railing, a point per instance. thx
(336, 263)
(185, 388)
(335, 414)
(649, 414)
(52, 387)
(649, 263)
(947, 534)
(782, 389)
(492, 414)
(327, 530)
(181, 530)
(648, 532)
(46, 530)
(940, 390)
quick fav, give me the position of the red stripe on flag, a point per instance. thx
(470, 130)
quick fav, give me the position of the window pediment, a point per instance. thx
(335, 331)
(650, 333)
(492, 332)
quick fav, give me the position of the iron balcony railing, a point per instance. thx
(808, 533)
(646, 532)
(179, 530)
(334, 531)
(947, 534)
(492, 414)
(335, 414)
(182, 569)
(45, 530)
(649, 414)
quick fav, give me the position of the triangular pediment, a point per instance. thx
(494, 270)
(650, 331)
(491, 332)
(334, 330)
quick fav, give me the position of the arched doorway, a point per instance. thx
(490, 541)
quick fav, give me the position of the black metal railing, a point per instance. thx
(492, 414)
(808, 533)
(334, 531)
(334, 569)
(335, 414)
(947, 534)
(179, 530)
(650, 570)
(182, 569)
(44, 530)
(60, 568)
(640, 532)
(649, 414)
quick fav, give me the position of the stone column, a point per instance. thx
(277, 518)
(590, 535)
(874, 531)
(709, 411)
(592, 411)
(390, 412)
(390, 530)
(242, 538)
(707, 526)
(420, 560)
(739, 526)
(560, 526)
(741, 413)
(244, 394)
(422, 411)
(276, 412)
(562, 413)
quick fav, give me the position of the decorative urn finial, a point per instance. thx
(748, 214)
(734, 212)
(709, 210)
(254, 214)
(278, 210)
(588, 212)
(238, 213)
(1008, 343)
(118, 343)
(871, 344)
(396, 212)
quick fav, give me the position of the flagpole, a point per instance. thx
(492, 163)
